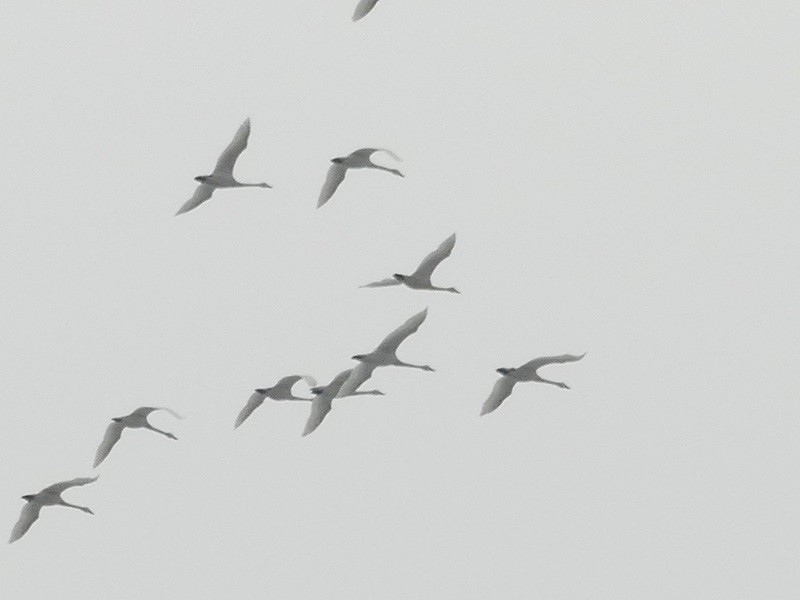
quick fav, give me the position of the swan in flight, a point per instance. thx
(49, 496)
(527, 372)
(385, 355)
(359, 159)
(324, 395)
(363, 8)
(421, 278)
(136, 420)
(222, 177)
(280, 391)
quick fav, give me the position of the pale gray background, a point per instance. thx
(622, 177)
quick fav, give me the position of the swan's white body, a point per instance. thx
(49, 496)
(280, 391)
(136, 420)
(420, 279)
(322, 403)
(222, 177)
(385, 355)
(363, 8)
(504, 386)
(359, 159)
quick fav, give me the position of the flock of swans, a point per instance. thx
(346, 383)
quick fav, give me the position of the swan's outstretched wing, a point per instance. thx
(29, 514)
(113, 433)
(335, 176)
(365, 154)
(256, 400)
(394, 339)
(501, 390)
(430, 262)
(320, 406)
(143, 411)
(382, 283)
(529, 368)
(57, 488)
(363, 8)
(228, 157)
(358, 375)
(283, 389)
(201, 194)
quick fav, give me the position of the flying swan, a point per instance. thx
(136, 420)
(359, 159)
(421, 278)
(222, 177)
(527, 372)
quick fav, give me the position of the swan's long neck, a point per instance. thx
(164, 433)
(83, 508)
(261, 185)
(409, 365)
(452, 290)
(560, 384)
(393, 171)
(367, 393)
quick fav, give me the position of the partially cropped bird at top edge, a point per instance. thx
(136, 420)
(421, 278)
(222, 177)
(363, 8)
(527, 372)
(385, 355)
(324, 395)
(359, 159)
(49, 496)
(280, 391)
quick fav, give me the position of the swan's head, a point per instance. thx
(29, 497)
(505, 370)
(263, 390)
(358, 356)
(338, 160)
(318, 390)
(201, 178)
(399, 276)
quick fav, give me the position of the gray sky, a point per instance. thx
(622, 177)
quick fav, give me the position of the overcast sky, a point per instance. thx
(623, 180)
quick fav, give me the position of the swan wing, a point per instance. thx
(201, 194)
(501, 390)
(335, 176)
(143, 411)
(365, 154)
(320, 407)
(111, 437)
(363, 8)
(228, 157)
(283, 389)
(430, 262)
(358, 375)
(29, 514)
(382, 283)
(57, 488)
(529, 368)
(253, 403)
(394, 339)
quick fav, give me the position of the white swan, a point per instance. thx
(322, 403)
(384, 355)
(49, 496)
(421, 278)
(136, 420)
(363, 8)
(527, 372)
(222, 177)
(359, 159)
(280, 391)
